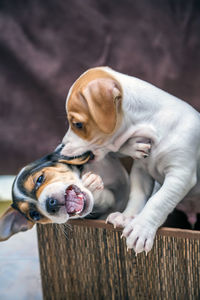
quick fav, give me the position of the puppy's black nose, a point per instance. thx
(52, 205)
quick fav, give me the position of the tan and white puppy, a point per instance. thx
(109, 111)
(54, 189)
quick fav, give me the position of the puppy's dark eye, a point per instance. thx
(35, 215)
(39, 181)
(78, 125)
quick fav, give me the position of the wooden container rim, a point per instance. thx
(163, 231)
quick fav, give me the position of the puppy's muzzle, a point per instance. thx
(75, 202)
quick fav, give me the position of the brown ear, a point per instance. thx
(103, 96)
(11, 222)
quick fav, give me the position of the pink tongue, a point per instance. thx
(74, 202)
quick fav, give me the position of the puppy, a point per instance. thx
(110, 111)
(55, 189)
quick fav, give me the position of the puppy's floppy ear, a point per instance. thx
(103, 96)
(11, 222)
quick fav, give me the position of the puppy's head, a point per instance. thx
(48, 190)
(94, 109)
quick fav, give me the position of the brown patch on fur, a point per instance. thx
(29, 183)
(57, 173)
(44, 220)
(24, 207)
(95, 101)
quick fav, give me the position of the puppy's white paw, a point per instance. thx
(137, 147)
(92, 182)
(141, 150)
(118, 219)
(139, 235)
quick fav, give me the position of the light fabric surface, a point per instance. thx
(6, 182)
(20, 268)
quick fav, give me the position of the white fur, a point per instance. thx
(174, 161)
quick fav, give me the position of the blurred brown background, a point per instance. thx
(46, 45)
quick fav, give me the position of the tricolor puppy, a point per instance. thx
(55, 189)
(110, 111)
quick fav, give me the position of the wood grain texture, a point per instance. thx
(93, 263)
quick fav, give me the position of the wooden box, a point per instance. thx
(93, 263)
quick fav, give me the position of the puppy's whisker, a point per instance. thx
(68, 226)
(63, 228)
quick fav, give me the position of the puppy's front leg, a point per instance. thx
(140, 232)
(141, 189)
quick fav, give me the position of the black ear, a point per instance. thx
(11, 222)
